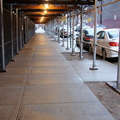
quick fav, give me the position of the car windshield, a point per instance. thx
(113, 34)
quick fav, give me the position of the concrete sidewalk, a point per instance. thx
(43, 85)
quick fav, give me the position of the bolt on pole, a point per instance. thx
(118, 69)
(95, 37)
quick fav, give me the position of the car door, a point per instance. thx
(101, 41)
(98, 39)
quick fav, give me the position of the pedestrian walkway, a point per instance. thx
(43, 85)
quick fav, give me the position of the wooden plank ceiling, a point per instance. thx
(41, 11)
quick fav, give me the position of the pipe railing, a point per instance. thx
(101, 46)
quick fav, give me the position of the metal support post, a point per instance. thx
(2, 69)
(81, 36)
(46, 27)
(49, 28)
(12, 47)
(25, 30)
(70, 29)
(101, 14)
(17, 30)
(118, 69)
(27, 35)
(52, 28)
(63, 34)
(59, 31)
(20, 31)
(95, 37)
(67, 34)
(73, 52)
(56, 30)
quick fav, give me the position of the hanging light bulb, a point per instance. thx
(45, 11)
(46, 5)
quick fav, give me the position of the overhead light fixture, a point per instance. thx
(45, 11)
(41, 20)
(46, 5)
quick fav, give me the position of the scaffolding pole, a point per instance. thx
(81, 35)
(59, 30)
(95, 37)
(17, 30)
(73, 51)
(25, 30)
(2, 69)
(20, 30)
(12, 47)
(63, 33)
(118, 69)
(70, 29)
(67, 34)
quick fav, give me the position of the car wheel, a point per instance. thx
(90, 49)
(104, 54)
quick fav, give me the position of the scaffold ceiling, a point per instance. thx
(37, 9)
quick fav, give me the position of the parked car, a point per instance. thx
(87, 36)
(56, 29)
(63, 32)
(108, 38)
